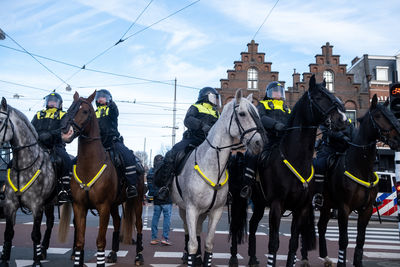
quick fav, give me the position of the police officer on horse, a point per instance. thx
(274, 114)
(107, 115)
(48, 123)
(199, 119)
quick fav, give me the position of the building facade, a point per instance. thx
(251, 73)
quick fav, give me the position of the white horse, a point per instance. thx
(201, 188)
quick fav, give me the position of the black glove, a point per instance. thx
(279, 126)
(206, 128)
(46, 138)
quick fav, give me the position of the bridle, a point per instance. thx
(79, 130)
(383, 133)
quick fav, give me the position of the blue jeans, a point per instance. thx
(167, 210)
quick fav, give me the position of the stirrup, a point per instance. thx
(63, 196)
(131, 191)
(163, 193)
(245, 192)
(318, 201)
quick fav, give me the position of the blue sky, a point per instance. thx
(196, 45)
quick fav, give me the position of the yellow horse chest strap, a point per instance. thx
(23, 189)
(95, 178)
(211, 183)
(361, 182)
(298, 175)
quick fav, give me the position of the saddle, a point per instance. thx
(118, 163)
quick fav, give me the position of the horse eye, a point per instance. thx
(85, 112)
(242, 114)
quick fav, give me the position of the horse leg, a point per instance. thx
(112, 256)
(274, 223)
(191, 219)
(233, 261)
(324, 217)
(49, 212)
(363, 219)
(213, 220)
(104, 218)
(255, 219)
(199, 228)
(80, 213)
(8, 235)
(36, 237)
(182, 214)
(139, 260)
(343, 219)
(74, 243)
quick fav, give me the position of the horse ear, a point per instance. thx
(374, 102)
(312, 82)
(324, 83)
(386, 104)
(250, 97)
(76, 96)
(238, 96)
(91, 97)
(4, 103)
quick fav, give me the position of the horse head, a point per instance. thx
(245, 123)
(6, 127)
(79, 116)
(327, 109)
(385, 123)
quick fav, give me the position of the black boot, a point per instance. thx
(131, 191)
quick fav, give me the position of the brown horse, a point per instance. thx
(96, 185)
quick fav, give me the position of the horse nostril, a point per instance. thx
(258, 143)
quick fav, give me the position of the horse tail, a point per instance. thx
(238, 226)
(65, 218)
(128, 221)
(308, 235)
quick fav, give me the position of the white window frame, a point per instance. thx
(329, 77)
(382, 73)
(252, 78)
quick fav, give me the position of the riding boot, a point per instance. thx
(318, 199)
(249, 175)
(131, 177)
(167, 174)
(207, 259)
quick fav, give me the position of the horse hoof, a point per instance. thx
(72, 255)
(304, 263)
(233, 261)
(112, 257)
(253, 262)
(44, 254)
(139, 260)
(37, 264)
(328, 262)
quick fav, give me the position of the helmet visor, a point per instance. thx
(52, 101)
(276, 92)
(214, 99)
(102, 96)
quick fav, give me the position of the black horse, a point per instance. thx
(350, 185)
(286, 174)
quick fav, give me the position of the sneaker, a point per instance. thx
(165, 242)
(154, 242)
(131, 191)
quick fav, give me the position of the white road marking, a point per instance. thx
(382, 255)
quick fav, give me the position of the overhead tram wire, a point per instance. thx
(135, 33)
(27, 52)
(262, 24)
(105, 72)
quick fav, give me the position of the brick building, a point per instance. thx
(251, 73)
(338, 80)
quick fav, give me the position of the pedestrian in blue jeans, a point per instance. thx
(160, 206)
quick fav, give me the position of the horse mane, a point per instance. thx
(24, 120)
(295, 110)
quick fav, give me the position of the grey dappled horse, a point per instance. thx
(31, 179)
(201, 187)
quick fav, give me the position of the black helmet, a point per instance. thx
(275, 90)
(210, 95)
(103, 93)
(53, 97)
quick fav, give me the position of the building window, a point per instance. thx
(351, 114)
(382, 73)
(328, 76)
(252, 79)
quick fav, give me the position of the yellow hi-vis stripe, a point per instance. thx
(26, 186)
(216, 186)
(361, 182)
(295, 172)
(88, 185)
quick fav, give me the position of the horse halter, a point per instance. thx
(71, 112)
(383, 133)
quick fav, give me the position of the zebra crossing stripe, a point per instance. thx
(121, 253)
(371, 246)
(163, 254)
(382, 255)
(279, 257)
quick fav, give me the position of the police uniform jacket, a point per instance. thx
(197, 116)
(107, 116)
(48, 124)
(272, 111)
